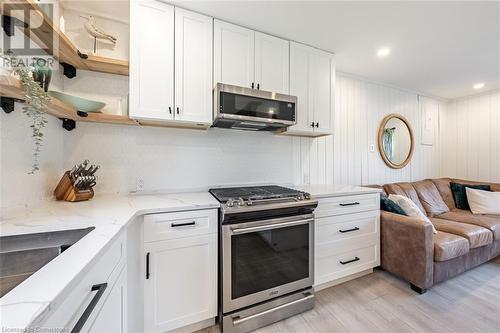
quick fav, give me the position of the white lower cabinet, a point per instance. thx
(112, 317)
(97, 301)
(347, 238)
(180, 285)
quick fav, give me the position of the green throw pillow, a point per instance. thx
(390, 206)
(460, 195)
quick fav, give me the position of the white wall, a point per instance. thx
(179, 159)
(470, 135)
(360, 106)
(17, 187)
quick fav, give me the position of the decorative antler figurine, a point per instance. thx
(96, 32)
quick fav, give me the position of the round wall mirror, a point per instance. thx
(395, 141)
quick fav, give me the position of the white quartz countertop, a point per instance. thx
(30, 302)
(27, 305)
(335, 190)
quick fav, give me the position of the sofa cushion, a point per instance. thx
(443, 186)
(390, 206)
(410, 208)
(460, 195)
(448, 246)
(430, 197)
(495, 187)
(491, 222)
(483, 202)
(404, 189)
(476, 235)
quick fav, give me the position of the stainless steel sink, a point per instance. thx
(23, 255)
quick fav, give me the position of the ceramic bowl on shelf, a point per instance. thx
(81, 104)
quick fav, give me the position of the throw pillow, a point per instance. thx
(389, 205)
(483, 202)
(411, 209)
(460, 195)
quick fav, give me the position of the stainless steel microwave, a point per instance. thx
(252, 109)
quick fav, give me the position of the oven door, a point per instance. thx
(265, 259)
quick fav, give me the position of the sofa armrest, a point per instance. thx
(407, 248)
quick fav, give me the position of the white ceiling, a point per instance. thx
(438, 48)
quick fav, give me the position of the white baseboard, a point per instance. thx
(342, 280)
(195, 327)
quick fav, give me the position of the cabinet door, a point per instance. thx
(300, 86)
(272, 65)
(112, 316)
(322, 77)
(151, 60)
(182, 284)
(233, 54)
(193, 67)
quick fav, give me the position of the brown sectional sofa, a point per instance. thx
(411, 250)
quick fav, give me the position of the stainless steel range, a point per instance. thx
(266, 252)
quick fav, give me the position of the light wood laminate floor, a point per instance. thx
(380, 302)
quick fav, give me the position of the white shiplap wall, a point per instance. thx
(470, 135)
(345, 157)
(176, 159)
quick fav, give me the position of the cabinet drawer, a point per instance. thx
(105, 270)
(347, 204)
(332, 266)
(178, 225)
(346, 227)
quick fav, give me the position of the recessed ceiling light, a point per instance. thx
(478, 86)
(383, 52)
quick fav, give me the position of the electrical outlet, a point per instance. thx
(307, 179)
(139, 185)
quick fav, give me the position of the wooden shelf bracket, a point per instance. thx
(68, 124)
(7, 104)
(68, 70)
(9, 23)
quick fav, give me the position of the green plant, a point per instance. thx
(35, 101)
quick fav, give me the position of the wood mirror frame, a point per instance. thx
(381, 141)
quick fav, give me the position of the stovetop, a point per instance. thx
(247, 196)
(252, 202)
(255, 193)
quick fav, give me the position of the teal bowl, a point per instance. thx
(81, 104)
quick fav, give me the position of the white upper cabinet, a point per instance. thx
(322, 78)
(272, 63)
(157, 29)
(151, 60)
(312, 80)
(234, 54)
(193, 66)
(246, 58)
(300, 86)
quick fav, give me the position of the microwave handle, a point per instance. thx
(239, 231)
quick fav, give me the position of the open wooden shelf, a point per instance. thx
(12, 87)
(61, 48)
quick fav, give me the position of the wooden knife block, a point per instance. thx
(67, 192)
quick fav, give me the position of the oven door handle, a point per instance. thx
(239, 231)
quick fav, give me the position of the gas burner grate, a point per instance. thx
(254, 192)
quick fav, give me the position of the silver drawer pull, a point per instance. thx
(237, 231)
(174, 225)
